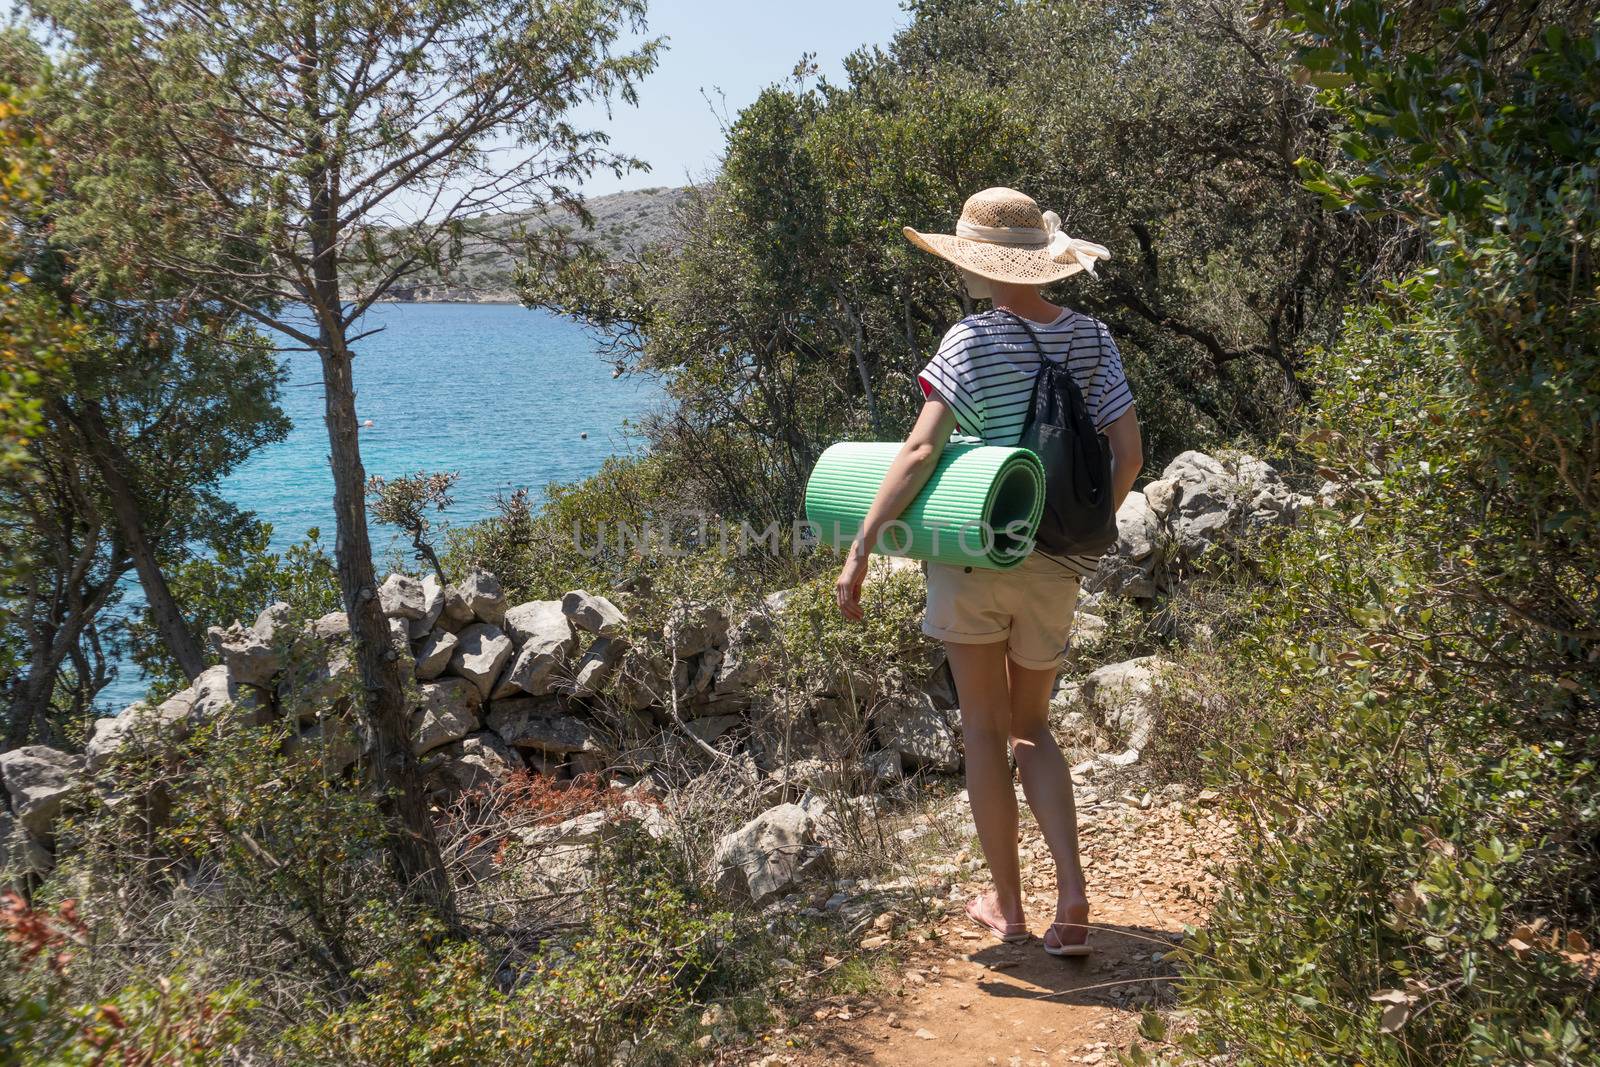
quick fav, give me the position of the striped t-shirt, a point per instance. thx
(985, 369)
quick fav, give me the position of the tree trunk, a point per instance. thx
(175, 633)
(416, 850)
(414, 846)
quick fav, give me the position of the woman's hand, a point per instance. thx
(901, 483)
(847, 590)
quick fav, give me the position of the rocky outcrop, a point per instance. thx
(37, 780)
(769, 855)
(594, 614)
(1200, 502)
(447, 712)
(481, 651)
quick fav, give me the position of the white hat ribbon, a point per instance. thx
(1057, 243)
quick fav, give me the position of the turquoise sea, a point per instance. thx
(500, 393)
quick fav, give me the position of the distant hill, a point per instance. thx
(622, 222)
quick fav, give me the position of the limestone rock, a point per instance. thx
(1160, 496)
(481, 593)
(920, 733)
(448, 712)
(1088, 632)
(545, 640)
(401, 597)
(593, 613)
(400, 641)
(454, 611)
(767, 856)
(542, 723)
(476, 763)
(167, 724)
(314, 689)
(22, 854)
(249, 657)
(693, 628)
(1123, 697)
(1130, 567)
(433, 655)
(215, 692)
(598, 664)
(38, 779)
(334, 626)
(481, 652)
(432, 608)
(337, 742)
(711, 727)
(560, 858)
(641, 680)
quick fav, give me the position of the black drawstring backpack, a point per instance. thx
(1078, 518)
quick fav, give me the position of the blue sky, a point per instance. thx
(739, 48)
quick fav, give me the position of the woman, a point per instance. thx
(1005, 632)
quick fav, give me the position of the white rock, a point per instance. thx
(1160, 495)
(215, 692)
(593, 613)
(335, 625)
(432, 607)
(768, 855)
(22, 854)
(476, 763)
(481, 652)
(454, 611)
(1123, 695)
(920, 733)
(337, 742)
(711, 727)
(542, 723)
(448, 712)
(693, 628)
(545, 642)
(433, 654)
(481, 593)
(249, 657)
(598, 664)
(38, 779)
(401, 597)
(167, 724)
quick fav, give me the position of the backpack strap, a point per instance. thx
(1044, 368)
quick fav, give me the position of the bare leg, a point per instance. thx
(983, 688)
(1047, 783)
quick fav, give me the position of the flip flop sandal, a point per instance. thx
(1010, 939)
(1070, 951)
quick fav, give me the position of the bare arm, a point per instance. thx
(1127, 455)
(901, 483)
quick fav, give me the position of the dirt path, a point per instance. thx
(964, 998)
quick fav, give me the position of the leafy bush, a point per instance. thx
(621, 983)
(42, 1021)
(1421, 881)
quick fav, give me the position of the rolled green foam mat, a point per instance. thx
(975, 487)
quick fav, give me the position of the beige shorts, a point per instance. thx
(1029, 607)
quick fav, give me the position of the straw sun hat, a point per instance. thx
(1003, 236)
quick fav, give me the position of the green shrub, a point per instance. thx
(623, 982)
(1420, 837)
(48, 1020)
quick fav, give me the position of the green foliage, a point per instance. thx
(820, 643)
(790, 312)
(624, 528)
(147, 1021)
(235, 581)
(1416, 795)
(620, 984)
